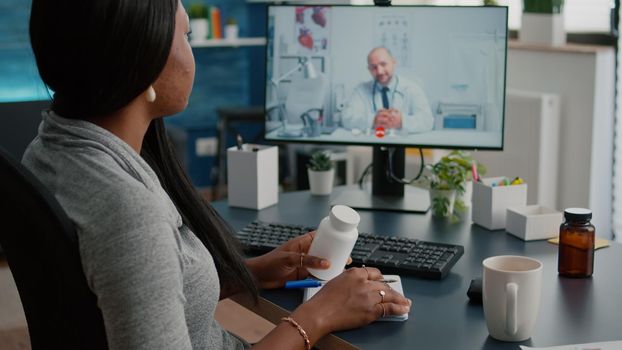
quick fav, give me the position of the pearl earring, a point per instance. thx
(151, 94)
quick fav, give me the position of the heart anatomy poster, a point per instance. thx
(312, 29)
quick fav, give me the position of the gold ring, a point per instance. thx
(384, 311)
(363, 266)
(382, 293)
(302, 256)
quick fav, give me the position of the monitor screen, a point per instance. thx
(403, 75)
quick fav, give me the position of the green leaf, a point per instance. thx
(320, 161)
(197, 10)
(440, 206)
(459, 206)
(543, 6)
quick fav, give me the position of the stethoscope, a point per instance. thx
(375, 88)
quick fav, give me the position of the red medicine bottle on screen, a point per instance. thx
(576, 244)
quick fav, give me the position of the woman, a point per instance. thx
(157, 256)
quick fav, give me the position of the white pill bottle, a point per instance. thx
(334, 240)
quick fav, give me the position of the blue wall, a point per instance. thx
(225, 77)
(19, 79)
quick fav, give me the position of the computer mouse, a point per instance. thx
(475, 291)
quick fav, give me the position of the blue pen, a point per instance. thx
(308, 283)
(311, 283)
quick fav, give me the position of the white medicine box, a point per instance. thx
(490, 202)
(533, 222)
(253, 176)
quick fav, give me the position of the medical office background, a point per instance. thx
(234, 76)
(459, 61)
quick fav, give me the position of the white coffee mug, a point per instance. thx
(511, 289)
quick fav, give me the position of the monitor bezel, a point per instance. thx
(387, 144)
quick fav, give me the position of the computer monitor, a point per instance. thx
(388, 77)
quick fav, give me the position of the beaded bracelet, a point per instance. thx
(300, 330)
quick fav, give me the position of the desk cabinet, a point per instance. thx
(583, 76)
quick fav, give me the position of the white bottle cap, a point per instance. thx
(344, 218)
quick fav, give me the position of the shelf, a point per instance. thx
(569, 48)
(229, 42)
(314, 2)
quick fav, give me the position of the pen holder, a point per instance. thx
(253, 176)
(491, 202)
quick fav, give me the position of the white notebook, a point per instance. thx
(397, 286)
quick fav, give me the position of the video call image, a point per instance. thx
(421, 76)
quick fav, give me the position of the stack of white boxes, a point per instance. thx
(497, 207)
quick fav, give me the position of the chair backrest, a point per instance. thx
(16, 133)
(304, 95)
(41, 247)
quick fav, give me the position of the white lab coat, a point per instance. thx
(404, 95)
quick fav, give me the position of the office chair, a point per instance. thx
(41, 247)
(301, 111)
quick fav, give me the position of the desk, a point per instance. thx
(571, 310)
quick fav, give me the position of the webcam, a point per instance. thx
(382, 2)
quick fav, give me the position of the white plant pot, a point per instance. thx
(468, 192)
(543, 28)
(449, 194)
(466, 198)
(232, 31)
(200, 29)
(321, 182)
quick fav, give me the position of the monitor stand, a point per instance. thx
(387, 194)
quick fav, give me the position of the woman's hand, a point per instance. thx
(285, 263)
(352, 299)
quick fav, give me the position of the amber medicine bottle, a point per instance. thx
(576, 244)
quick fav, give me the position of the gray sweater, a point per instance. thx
(155, 282)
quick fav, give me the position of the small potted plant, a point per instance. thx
(543, 6)
(447, 181)
(543, 22)
(231, 29)
(199, 23)
(466, 161)
(321, 173)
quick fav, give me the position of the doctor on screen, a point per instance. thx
(389, 100)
